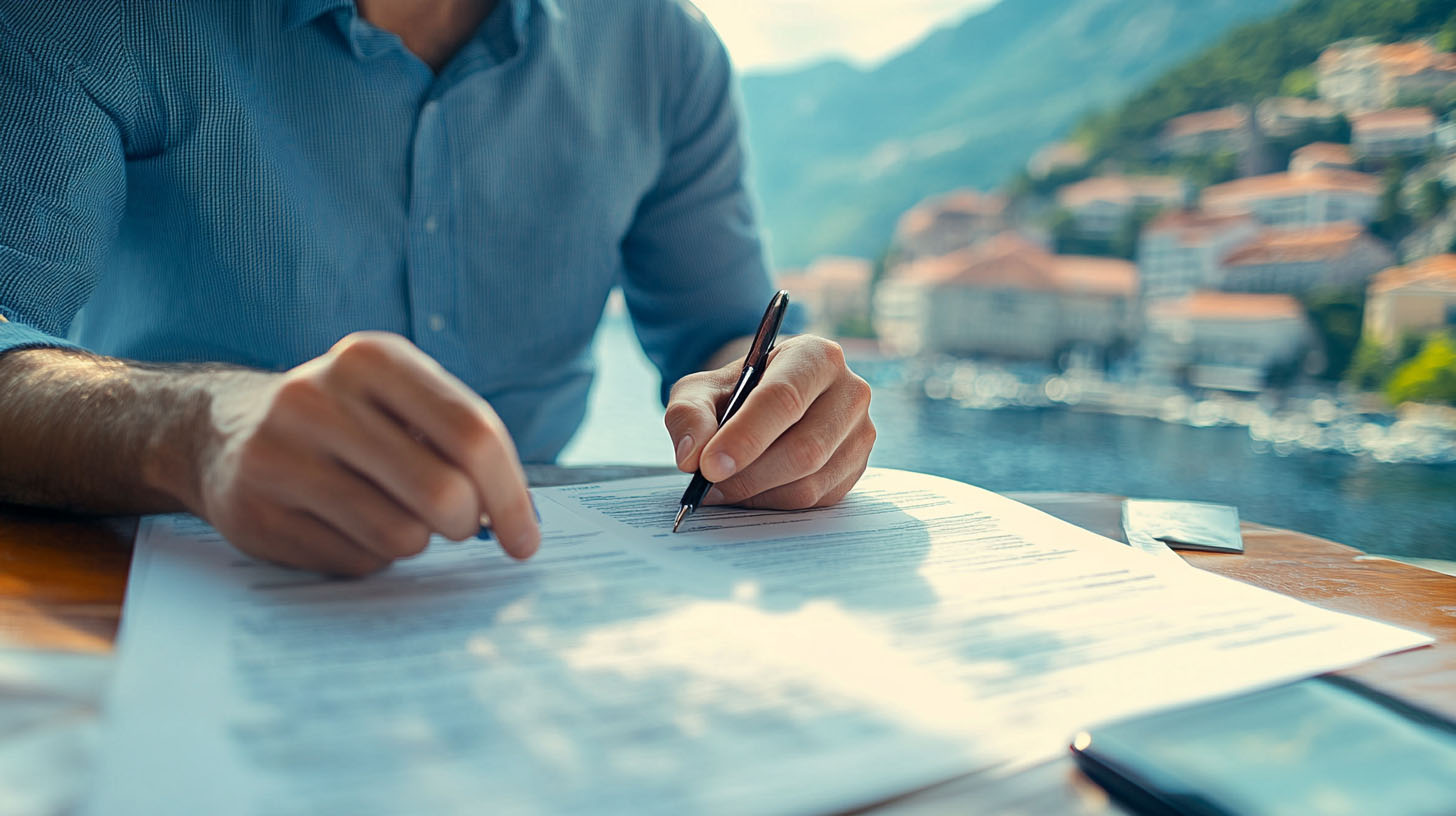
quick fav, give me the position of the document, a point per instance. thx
(759, 661)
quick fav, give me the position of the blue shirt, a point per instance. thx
(247, 181)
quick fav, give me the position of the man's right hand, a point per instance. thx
(352, 460)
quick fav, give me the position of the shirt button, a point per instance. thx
(437, 322)
(431, 224)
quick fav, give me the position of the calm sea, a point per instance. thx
(1391, 509)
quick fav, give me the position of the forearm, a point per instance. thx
(96, 434)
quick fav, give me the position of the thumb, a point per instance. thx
(692, 414)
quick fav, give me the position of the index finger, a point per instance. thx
(465, 430)
(792, 380)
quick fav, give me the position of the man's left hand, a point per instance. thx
(801, 439)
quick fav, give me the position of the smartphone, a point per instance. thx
(1319, 747)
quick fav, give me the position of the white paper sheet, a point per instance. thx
(757, 662)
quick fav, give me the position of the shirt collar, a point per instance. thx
(298, 13)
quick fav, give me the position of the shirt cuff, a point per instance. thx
(15, 336)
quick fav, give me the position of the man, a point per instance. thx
(205, 196)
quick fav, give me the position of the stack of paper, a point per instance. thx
(760, 662)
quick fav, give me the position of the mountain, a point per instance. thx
(839, 152)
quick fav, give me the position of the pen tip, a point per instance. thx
(682, 513)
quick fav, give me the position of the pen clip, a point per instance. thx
(768, 330)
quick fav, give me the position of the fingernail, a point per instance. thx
(723, 466)
(715, 496)
(684, 447)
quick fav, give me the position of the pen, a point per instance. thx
(753, 365)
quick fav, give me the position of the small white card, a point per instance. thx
(1184, 525)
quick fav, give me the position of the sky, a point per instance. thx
(764, 34)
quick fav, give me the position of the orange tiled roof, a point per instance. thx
(1002, 260)
(1435, 272)
(1283, 184)
(1296, 107)
(1059, 154)
(841, 268)
(1195, 226)
(1297, 245)
(1009, 261)
(1119, 188)
(1230, 118)
(1086, 275)
(1229, 306)
(1403, 59)
(1325, 151)
(1398, 59)
(1394, 119)
(960, 202)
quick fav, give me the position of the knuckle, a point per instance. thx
(445, 494)
(804, 493)
(832, 352)
(836, 495)
(408, 539)
(861, 392)
(785, 396)
(680, 416)
(687, 385)
(471, 430)
(297, 395)
(809, 454)
(363, 351)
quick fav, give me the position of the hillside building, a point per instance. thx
(1224, 130)
(1055, 158)
(1393, 132)
(1179, 252)
(1359, 76)
(1298, 199)
(1417, 298)
(947, 223)
(1223, 339)
(1008, 297)
(1321, 156)
(1303, 260)
(835, 291)
(1100, 206)
(1282, 117)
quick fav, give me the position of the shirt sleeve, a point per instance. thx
(62, 192)
(695, 271)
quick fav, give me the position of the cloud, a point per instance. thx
(778, 33)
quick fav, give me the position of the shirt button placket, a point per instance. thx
(430, 273)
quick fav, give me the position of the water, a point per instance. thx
(1391, 509)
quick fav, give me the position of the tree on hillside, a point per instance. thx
(1392, 222)
(1428, 377)
(1337, 316)
(1431, 199)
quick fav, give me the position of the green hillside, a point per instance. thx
(840, 152)
(1260, 60)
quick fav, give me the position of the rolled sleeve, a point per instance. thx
(62, 191)
(695, 272)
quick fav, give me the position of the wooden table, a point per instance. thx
(62, 581)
